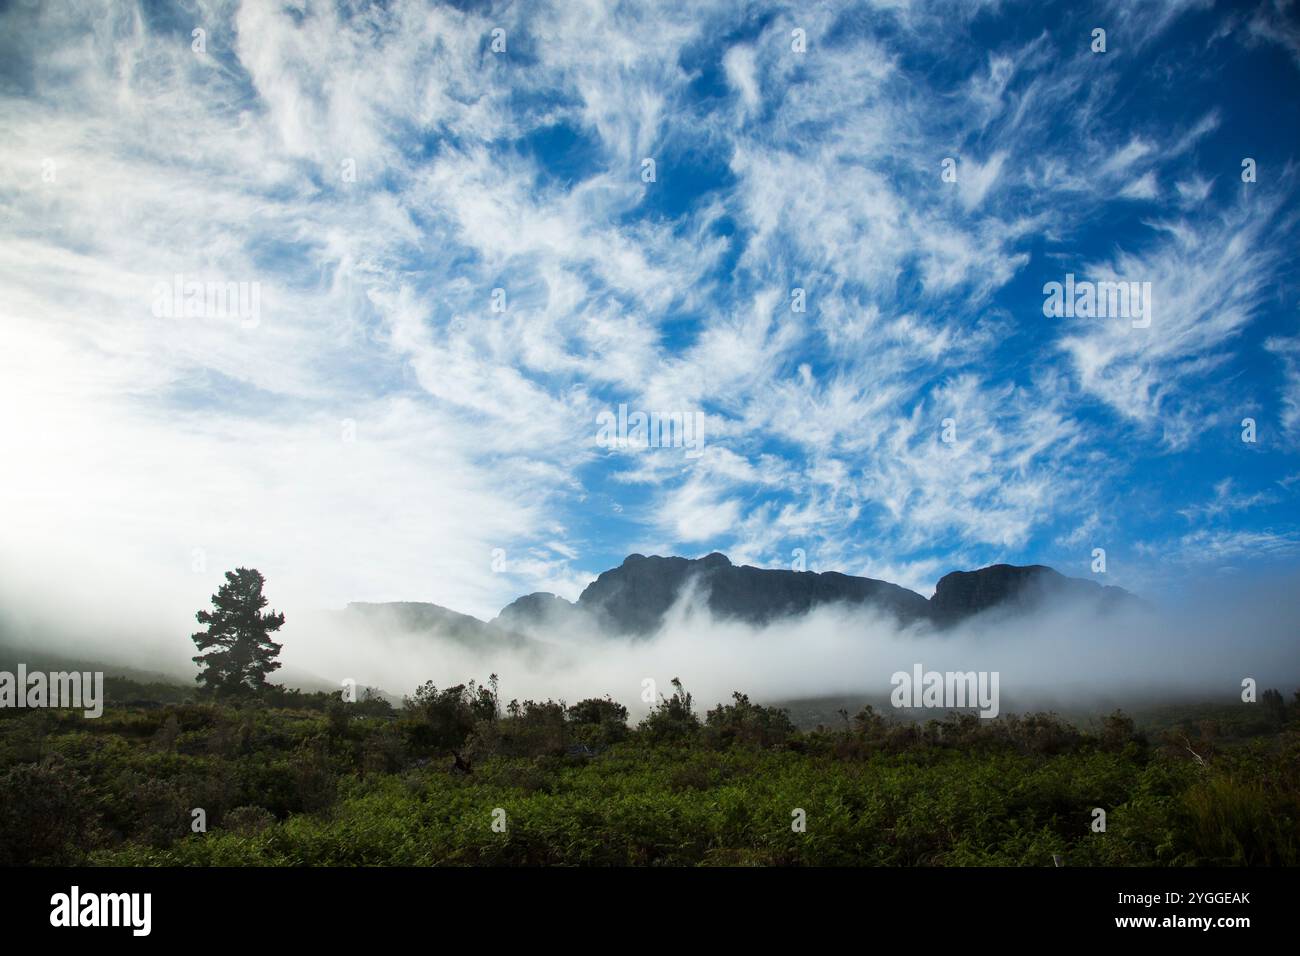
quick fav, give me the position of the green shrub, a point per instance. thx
(47, 815)
(673, 718)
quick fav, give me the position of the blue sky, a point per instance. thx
(377, 170)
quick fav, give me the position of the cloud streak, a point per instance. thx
(461, 261)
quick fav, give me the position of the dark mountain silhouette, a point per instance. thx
(1011, 588)
(539, 612)
(630, 600)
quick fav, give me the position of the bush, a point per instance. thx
(47, 815)
(747, 724)
(672, 720)
(530, 729)
(676, 791)
(1118, 731)
(598, 723)
(446, 718)
(597, 710)
(248, 821)
(1241, 823)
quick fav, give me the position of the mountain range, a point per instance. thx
(630, 601)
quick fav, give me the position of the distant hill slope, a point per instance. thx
(417, 617)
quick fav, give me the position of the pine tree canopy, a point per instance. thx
(237, 650)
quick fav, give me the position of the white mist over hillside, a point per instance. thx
(1065, 654)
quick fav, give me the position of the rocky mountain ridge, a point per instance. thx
(630, 600)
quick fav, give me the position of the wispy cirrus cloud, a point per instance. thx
(461, 260)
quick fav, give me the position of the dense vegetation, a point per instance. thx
(286, 778)
(243, 772)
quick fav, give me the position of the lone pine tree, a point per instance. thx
(239, 650)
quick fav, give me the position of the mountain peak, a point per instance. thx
(962, 594)
(632, 599)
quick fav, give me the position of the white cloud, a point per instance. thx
(146, 438)
(741, 74)
(1288, 352)
(1207, 280)
(1142, 188)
